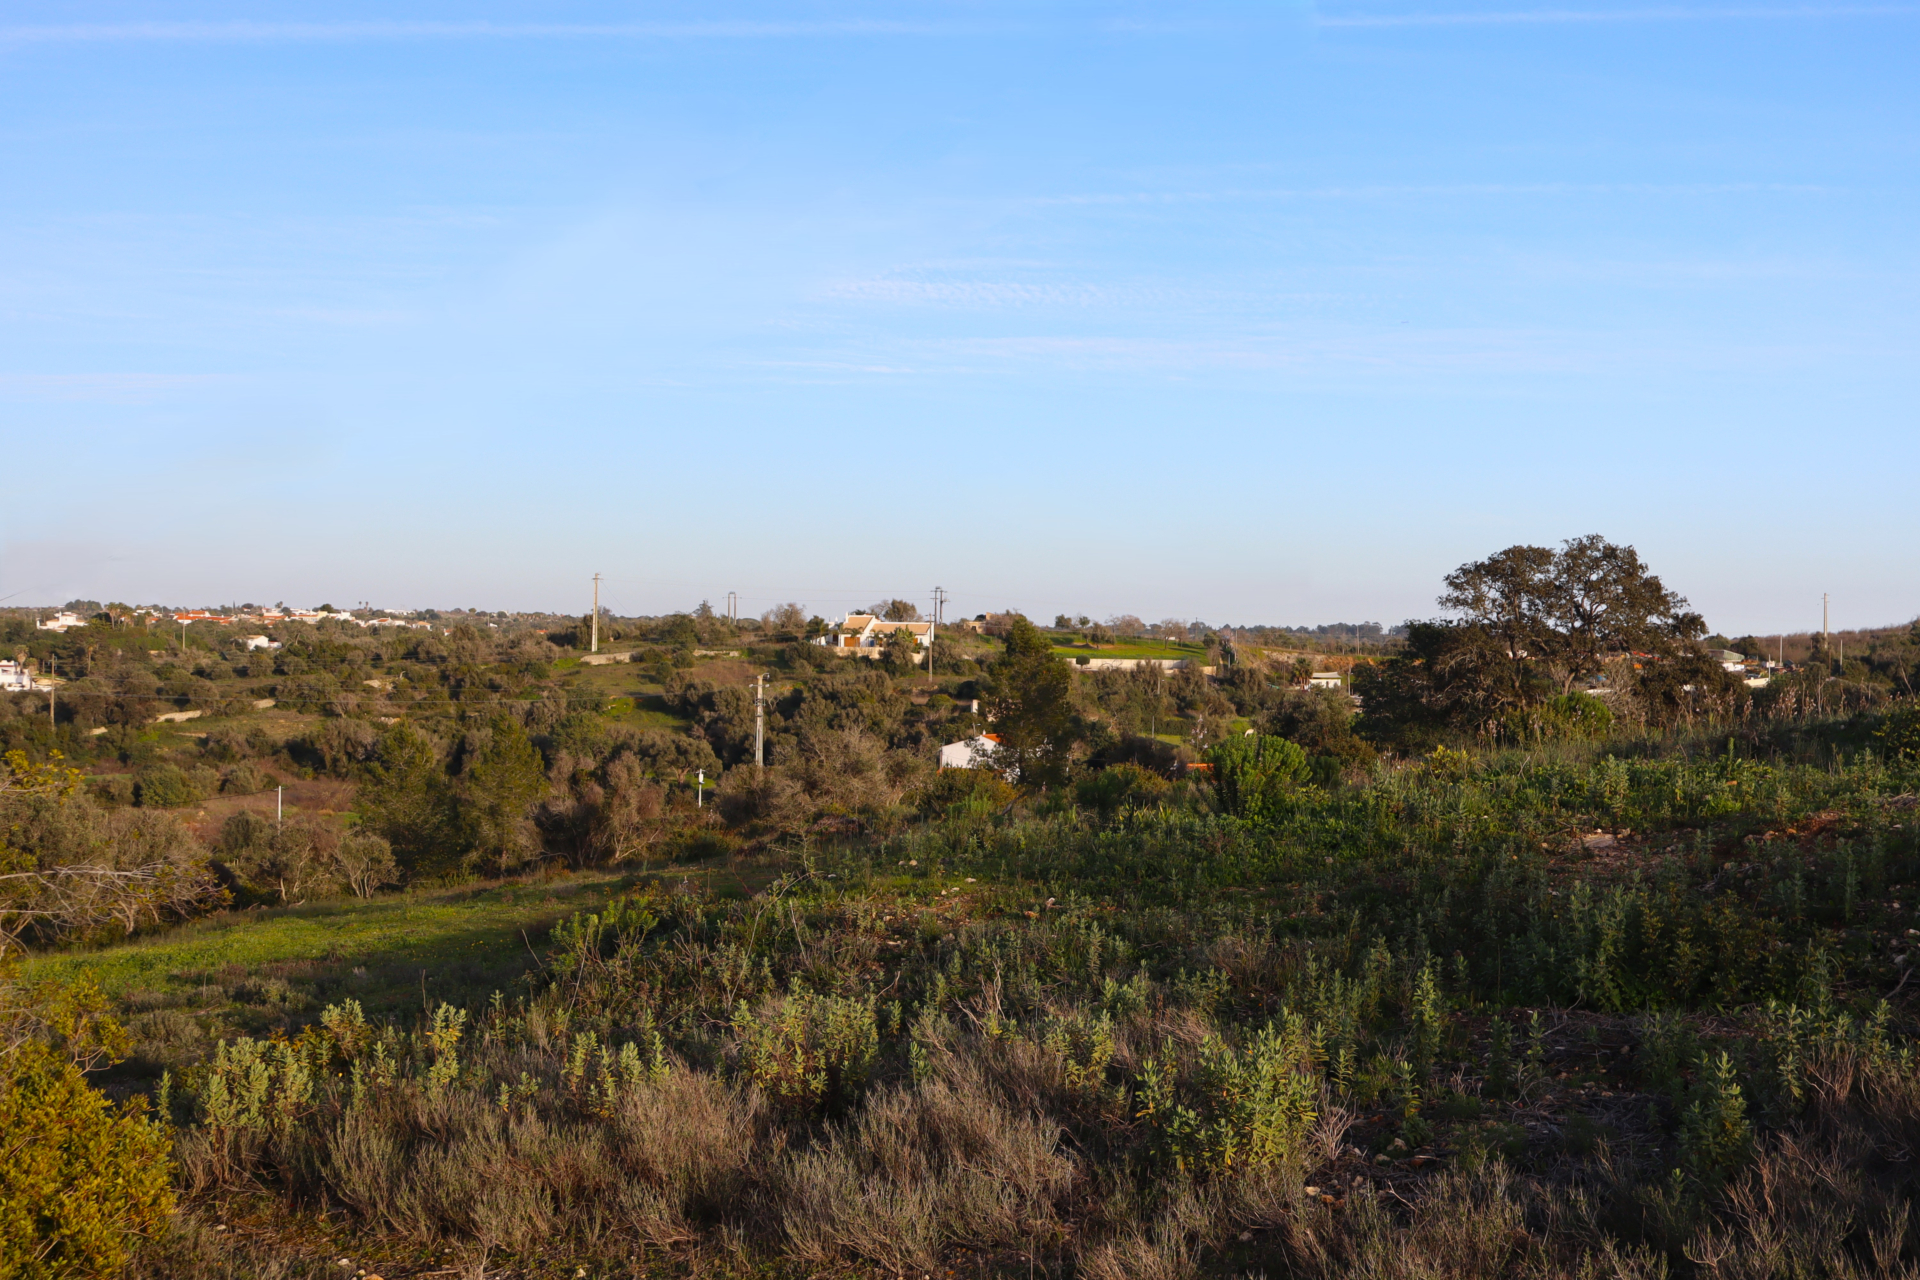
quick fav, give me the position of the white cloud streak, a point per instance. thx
(1550, 17)
(281, 32)
(239, 32)
(1394, 190)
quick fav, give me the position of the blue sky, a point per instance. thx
(1245, 312)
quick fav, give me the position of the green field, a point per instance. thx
(277, 967)
(1127, 649)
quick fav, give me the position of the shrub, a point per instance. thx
(1121, 786)
(79, 1177)
(965, 793)
(167, 786)
(1253, 776)
(246, 779)
(364, 862)
(807, 1051)
(1899, 733)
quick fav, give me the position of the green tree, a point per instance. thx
(898, 650)
(283, 859)
(406, 800)
(498, 791)
(1029, 705)
(1570, 609)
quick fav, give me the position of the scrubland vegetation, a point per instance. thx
(1497, 977)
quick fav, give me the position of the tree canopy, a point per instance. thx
(1029, 702)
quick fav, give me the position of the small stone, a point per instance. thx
(1245, 1236)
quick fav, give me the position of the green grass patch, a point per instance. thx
(1128, 649)
(274, 966)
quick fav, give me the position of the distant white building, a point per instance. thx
(1324, 680)
(14, 677)
(61, 621)
(864, 631)
(971, 754)
(259, 642)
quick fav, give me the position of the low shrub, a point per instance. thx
(80, 1178)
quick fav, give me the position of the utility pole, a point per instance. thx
(759, 722)
(933, 628)
(733, 606)
(700, 791)
(279, 805)
(595, 642)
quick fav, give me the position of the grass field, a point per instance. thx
(264, 971)
(1128, 649)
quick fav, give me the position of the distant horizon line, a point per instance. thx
(1387, 628)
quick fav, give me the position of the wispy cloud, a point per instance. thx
(1392, 190)
(973, 293)
(239, 32)
(1542, 17)
(112, 388)
(744, 29)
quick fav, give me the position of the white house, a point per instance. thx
(1324, 680)
(864, 631)
(61, 621)
(259, 642)
(14, 677)
(971, 753)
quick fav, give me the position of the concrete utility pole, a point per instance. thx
(733, 606)
(279, 805)
(933, 628)
(759, 722)
(595, 642)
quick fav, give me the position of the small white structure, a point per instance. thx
(973, 753)
(864, 631)
(61, 621)
(1324, 680)
(14, 677)
(259, 642)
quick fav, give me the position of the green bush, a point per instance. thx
(1253, 776)
(806, 1051)
(79, 1177)
(965, 793)
(1899, 733)
(1121, 786)
(167, 786)
(245, 779)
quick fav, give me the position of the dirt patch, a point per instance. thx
(1607, 855)
(314, 797)
(726, 672)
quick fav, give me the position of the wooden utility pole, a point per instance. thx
(594, 644)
